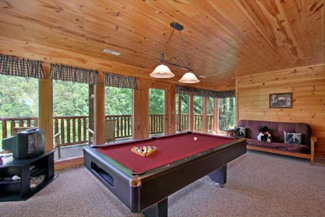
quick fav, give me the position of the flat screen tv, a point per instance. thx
(25, 144)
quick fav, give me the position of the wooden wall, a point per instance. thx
(307, 85)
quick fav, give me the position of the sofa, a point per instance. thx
(304, 150)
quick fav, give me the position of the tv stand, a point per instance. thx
(35, 173)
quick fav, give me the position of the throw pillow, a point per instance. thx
(240, 132)
(292, 138)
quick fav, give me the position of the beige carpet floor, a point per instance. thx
(259, 184)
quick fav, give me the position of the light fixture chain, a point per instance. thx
(185, 52)
(167, 43)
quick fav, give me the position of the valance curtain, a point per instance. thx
(74, 74)
(202, 92)
(226, 94)
(10, 65)
(122, 81)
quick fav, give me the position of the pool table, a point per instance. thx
(143, 184)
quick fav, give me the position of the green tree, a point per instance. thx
(70, 98)
(197, 104)
(118, 101)
(156, 101)
(226, 113)
(18, 96)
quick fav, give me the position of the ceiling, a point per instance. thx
(224, 38)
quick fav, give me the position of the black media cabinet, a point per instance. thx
(43, 165)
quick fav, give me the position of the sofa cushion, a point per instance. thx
(276, 129)
(240, 132)
(292, 138)
(279, 146)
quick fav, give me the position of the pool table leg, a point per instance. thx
(219, 176)
(159, 209)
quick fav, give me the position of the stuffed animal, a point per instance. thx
(264, 134)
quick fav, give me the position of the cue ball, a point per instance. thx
(195, 138)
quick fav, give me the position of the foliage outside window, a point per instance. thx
(18, 98)
(226, 113)
(118, 101)
(70, 99)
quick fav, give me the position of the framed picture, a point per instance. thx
(281, 100)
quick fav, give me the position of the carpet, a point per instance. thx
(259, 184)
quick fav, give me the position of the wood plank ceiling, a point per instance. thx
(224, 38)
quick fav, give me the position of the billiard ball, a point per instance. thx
(195, 138)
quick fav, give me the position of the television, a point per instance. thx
(25, 144)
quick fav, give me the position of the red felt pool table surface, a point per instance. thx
(169, 149)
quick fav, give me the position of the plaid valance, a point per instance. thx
(122, 81)
(226, 94)
(74, 74)
(202, 92)
(10, 65)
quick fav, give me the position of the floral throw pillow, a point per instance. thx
(240, 132)
(292, 138)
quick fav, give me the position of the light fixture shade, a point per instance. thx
(189, 78)
(162, 71)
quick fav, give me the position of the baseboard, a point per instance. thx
(65, 164)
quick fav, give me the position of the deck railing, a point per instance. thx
(156, 124)
(74, 129)
(182, 122)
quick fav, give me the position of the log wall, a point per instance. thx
(307, 85)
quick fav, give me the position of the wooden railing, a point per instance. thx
(8, 124)
(182, 122)
(74, 129)
(197, 122)
(156, 124)
(210, 122)
(123, 125)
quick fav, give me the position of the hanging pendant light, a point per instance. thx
(162, 71)
(189, 78)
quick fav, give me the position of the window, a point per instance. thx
(70, 117)
(182, 118)
(226, 113)
(210, 108)
(156, 111)
(197, 107)
(118, 107)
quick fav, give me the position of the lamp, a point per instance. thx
(163, 71)
(189, 78)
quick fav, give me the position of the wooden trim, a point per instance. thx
(216, 115)
(281, 70)
(274, 151)
(313, 140)
(190, 113)
(137, 112)
(91, 95)
(205, 114)
(45, 115)
(68, 163)
(237, 103)
(179, 111)
(170, 111)
(99, 128)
